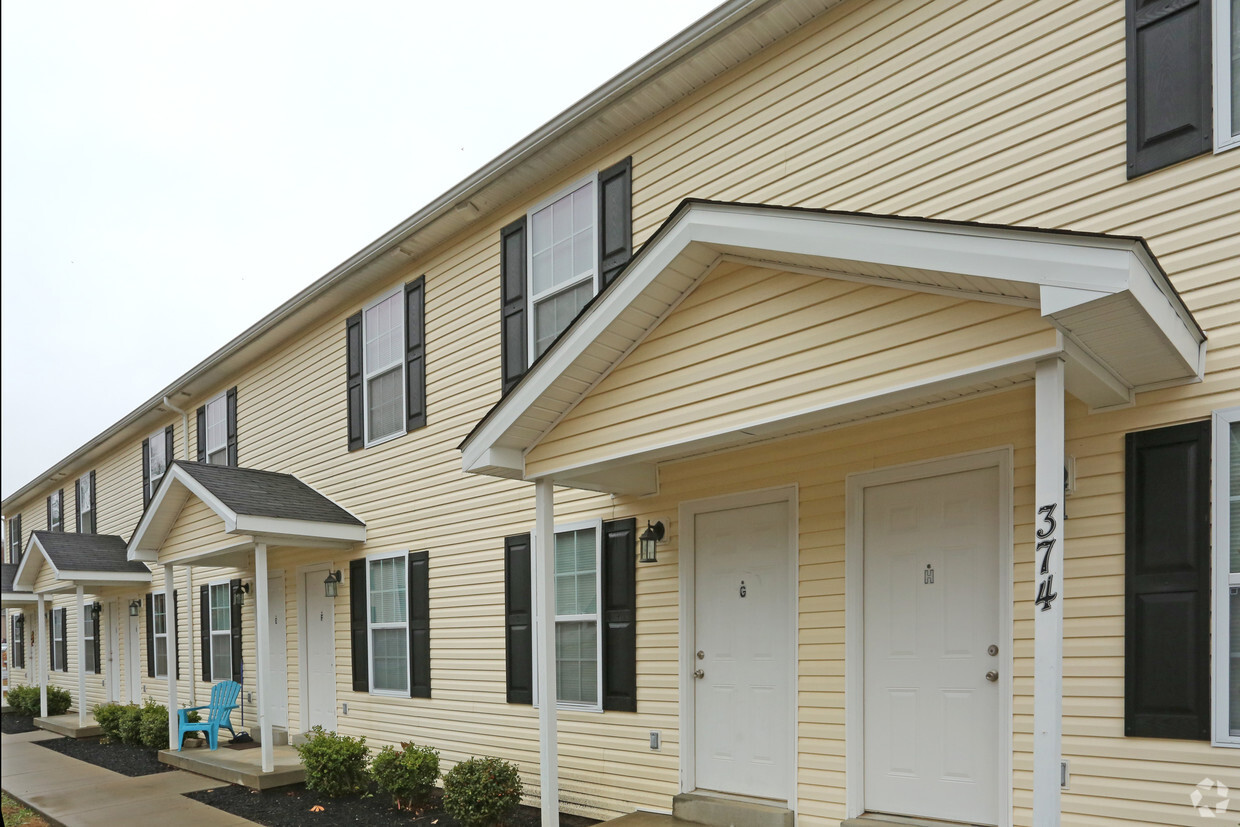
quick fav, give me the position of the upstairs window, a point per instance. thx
(217, 430)
(1226, 74)
(563, 263)
(156, 454)
(56, 511)
(86, 503)
(384, 332)
(385, 358)
(15, 539)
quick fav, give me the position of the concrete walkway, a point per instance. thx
(72, 792)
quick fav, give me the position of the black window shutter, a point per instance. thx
(357, 625)
(415, 353)
(204, 630)
(15, 538)
(615, 220)
(1167, 579)
(94, 506)
(174, 619)
(1170, 86)
(513, 344)
(150, 636)
(619, 615)
(60, 506)
(50, 527)
(64, 640)
(419, 625)
(95, 624)
(77, 505)
(518, 620)
(230, 401)
(51, 641)
(202, 433)
(146, 473)
(168, 451)
(353, 375)
(235, 625)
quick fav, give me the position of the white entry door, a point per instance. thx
(133, 657)
(112, 649)
(277, 664)
(743, 605)
(318, 669)
(932, 727)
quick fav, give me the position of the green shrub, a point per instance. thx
(108, 716)
(154, 725)
(481, 792)
(407, 774)
(25, 700)
(335, 764)
(129, 725)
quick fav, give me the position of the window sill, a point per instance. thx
(382, 440)
(389, 693)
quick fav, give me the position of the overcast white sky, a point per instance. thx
(174, 171)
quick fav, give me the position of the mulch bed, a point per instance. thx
(291, 806)
(12, 724)
(122, 758)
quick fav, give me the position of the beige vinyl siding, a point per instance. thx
(978, 110)
(197, 529)
(751, 345)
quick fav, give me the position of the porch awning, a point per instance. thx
(251, 506)
(1105, 305)
(56, 561)
(9, 597)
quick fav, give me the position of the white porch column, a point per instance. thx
(189, 633)
(40, 660)
(1048, 594)
(81, 664)
(544, 649)
(262, 653)
(170, 623)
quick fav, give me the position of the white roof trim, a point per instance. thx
(32, 544)
(1070, 272)
(67, 578)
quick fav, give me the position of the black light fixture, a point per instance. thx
(330, 584)
(95, 610)
(135, 606)
(239, 592)
(647, 542)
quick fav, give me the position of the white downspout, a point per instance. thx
(184, 425)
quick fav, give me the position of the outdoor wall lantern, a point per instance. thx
(649, 539)
(135, 606)
(330, 584)
(95, 610)
(239, 593)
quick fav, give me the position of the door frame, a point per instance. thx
(854, 611)
(278, 574)
(688, 609)
(303, 631)
(113, 672)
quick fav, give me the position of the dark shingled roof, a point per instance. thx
(88, 552)
(266, 494)
(8, 571)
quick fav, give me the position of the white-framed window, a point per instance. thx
(89, 654)
(1226, 613)
(383, 365)
(60, 643)
(55, 512)
(157, 459)
(217, 430)
(578, 645)
(159, 621)
(563, 261)
(86, 506)
(219, 612)
(1226, 74)
(387, 617)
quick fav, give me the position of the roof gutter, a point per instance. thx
(695, 37)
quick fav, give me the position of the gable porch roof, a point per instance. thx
(87, 560)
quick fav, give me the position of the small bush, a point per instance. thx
(129, 725)
(108, 716)
(335, 764)
(154, 725)
(25, 700)
(481, 792)
(407, 774)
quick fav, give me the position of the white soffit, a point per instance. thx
(1123, 326)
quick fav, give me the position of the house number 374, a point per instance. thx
(1046, 545)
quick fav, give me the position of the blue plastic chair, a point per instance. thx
(219, 716)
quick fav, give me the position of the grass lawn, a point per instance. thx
(16, 815)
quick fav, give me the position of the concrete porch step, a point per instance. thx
(882, 820)
(722, 811)
(69, 726)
